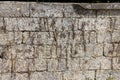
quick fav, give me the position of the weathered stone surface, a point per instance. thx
(6, 76)
(94, 50)
(57, 65)
(76, 10)
(40, 64)
(95, 63)
(108, 75)
(14, 9)
(22, 24)
(21, 65)
(74, 64)
(21, 76)
(6, 66)
(22, 51)
(78, 75)
(46, 76)
(116, 63)
(46, 10)
(116, 36)
(59, 41)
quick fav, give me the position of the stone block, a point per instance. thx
(46, 51)
(52, 64)
(77, 50)
(46, 10)
(22, 51)
(22, 24)
(116, 36)
(107, 75)
(6, 76)
(94, 50)
(104, 36)
(18, 9)
(62, 38)
(89, 63)
(40, 64)
(21, 76)
(46, 76)
(54, 24)
(6, 38)
(61, 51)
(57, 64)
(75, 10)
(6, 66)
(116, 63)
(21, 65)
(108, 49)
(73, 64)
(102, 23)
(68, 24)
(78, 75)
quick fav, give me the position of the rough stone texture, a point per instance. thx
(59, 41)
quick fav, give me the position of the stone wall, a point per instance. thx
(59, 41)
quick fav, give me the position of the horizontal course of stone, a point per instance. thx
(59, 41)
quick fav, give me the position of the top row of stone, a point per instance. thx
(40, 9)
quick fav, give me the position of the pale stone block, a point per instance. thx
(116, 36)
(46, 10)
(87, 23)
(6, 38)
(116, 49)
(62, 37)
(17, 9)
(22, 24)
(102, 24)
(39, 38)
(57, 64)
(30, 65)
(6, 65)
(54, 24)
(93, 37)
(78, 75)
(46, 76)
(115, 22)
(61, 51)
(77, 50)
(6, 76)
(77, 37)
(22, 51)
(73, 64)
(94, 50)
(52, 64)
(108, 74)
(40, 64)
(116, 63)
(104, 75)
(75, 10)
(17, 36)
(62, 65)
(21, 76)
(68, 24)
(104, 36)
(46, 51)
(21, 65)
(95, 63)
(108, 49)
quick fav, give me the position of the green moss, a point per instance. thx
(110, 78)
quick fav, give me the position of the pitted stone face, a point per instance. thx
(59, 41)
